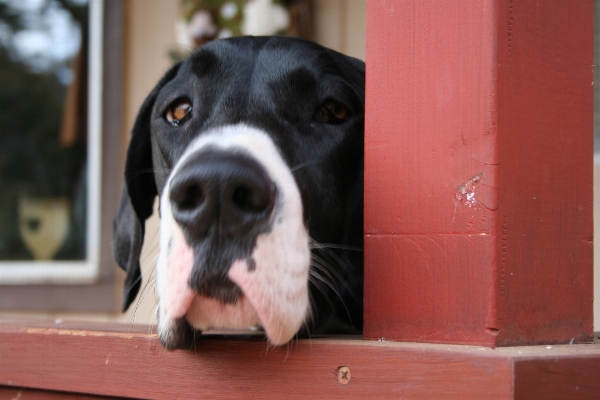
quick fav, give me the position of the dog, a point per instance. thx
(254, 146)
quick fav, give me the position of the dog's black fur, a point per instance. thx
(278, 85)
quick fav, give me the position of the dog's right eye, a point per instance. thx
(331, 112)
(178, 111)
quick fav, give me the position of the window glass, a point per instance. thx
(44, 138)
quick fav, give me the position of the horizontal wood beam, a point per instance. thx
(16, 393)
(128, 361)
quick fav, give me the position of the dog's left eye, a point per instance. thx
(331, 112)
(178, 111)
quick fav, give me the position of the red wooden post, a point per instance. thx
(478, 171)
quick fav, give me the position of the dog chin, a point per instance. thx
(275, 293)
(206, 313)
(277, 302)
(257, 308)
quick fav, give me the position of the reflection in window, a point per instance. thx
(43, 129)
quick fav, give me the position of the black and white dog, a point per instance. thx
(255, 147)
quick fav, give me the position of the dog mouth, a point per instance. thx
(212, 261)
(220, 289)
(258, 289)
(201, 291)
(216, 304)
(232, 284)
(210, 312)
(204, 311)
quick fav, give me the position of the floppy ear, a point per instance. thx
(137, 197)
(128, 237)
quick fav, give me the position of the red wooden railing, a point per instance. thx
(478, 230)
(128, 361)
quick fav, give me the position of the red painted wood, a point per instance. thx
(478, 171)
(564, 378)
(545, 220)
(29, 394)
(135, 365)
(131, 363)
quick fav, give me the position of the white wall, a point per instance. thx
(341, 25)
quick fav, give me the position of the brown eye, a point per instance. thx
(331, 112)
(178, 111)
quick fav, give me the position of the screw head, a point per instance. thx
(344, 375)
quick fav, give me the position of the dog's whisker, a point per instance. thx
(335, 290)
(331, 265)
(312, 313)
(150, 324)
(319, 271)
(315, 259)
(152, 253)
(150, 341)
(295, 342)
(304, 164)
(324, 266)
(150, 281)
(126, 293)
(152, 311)
(316, 283)
(145, 290)
(326, 252)
(317, 245)
(194, 342)
(150, 263)
(332, 255)
(150, 272)
(134, 312)
(135, 282)
(287, 352)
(326, 281)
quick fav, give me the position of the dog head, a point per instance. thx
(255, 149)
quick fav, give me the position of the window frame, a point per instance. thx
(92, 292)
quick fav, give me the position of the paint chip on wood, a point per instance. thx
(466, 190)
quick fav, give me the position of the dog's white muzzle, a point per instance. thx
(275, 287)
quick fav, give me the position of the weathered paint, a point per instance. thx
(478, 171)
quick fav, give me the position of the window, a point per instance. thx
(56, 153)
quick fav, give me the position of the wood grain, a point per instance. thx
(131, 363)
(135, 365)
(564, 378)
(30, 394)
(478, 171)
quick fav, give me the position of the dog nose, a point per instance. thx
(231, 192)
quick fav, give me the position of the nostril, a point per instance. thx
(229, 192)
(252, 201)
(192, 197)
(187, 196)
